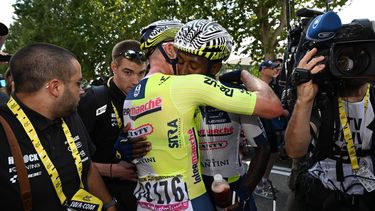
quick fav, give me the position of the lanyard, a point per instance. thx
(48, 165)
(119, 123)
(347, 133)
(118, 119)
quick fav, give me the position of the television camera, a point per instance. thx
(349, 51)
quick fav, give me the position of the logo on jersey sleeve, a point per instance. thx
(163, 79)
(149, 107)
(138, 92)
(212, 82)
(214, 116)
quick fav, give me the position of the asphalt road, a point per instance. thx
(279, 177)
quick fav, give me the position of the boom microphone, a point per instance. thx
(323, 27)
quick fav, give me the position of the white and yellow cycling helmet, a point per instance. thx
(159, 32)
(204, 38)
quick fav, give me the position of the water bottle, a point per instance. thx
(221, 192)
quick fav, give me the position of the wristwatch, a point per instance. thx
(111, 203)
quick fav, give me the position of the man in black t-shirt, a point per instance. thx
(47, 87)
(101, 111)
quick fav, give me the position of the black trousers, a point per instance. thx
(311, 195)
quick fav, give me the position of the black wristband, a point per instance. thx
(300, 76)
(112, 203)
(234, 76)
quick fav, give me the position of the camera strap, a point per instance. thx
(300, 76)
(23, 180)
(347, 132)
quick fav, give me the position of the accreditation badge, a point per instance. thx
(84, 201)
(365, 176)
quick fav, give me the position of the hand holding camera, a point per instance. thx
(307, 91)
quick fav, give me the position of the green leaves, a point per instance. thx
(91, 28)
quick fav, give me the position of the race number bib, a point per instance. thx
(84, 201)
(162, 193)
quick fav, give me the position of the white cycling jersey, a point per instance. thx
(220, 139)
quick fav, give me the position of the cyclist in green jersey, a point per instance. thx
(163, 107)
(157, 42)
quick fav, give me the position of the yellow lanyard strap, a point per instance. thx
(118, 119)
(48, 165)
(119, 123)
(347, 132)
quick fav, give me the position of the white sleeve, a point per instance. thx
(252, 128)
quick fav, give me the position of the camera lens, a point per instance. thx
(345, 63)
(352, 60)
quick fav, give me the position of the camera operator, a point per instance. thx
(333, 182)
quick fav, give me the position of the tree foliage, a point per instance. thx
(91, 28)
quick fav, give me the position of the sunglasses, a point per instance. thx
(133, 55)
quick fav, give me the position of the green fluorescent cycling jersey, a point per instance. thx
(163, 107)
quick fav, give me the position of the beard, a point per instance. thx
(67, 104)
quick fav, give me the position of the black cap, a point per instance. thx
(268, 64)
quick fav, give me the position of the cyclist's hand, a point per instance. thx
(128, 149)
(140, 146)
(124, 171)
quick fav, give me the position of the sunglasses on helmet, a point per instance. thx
(133, 55)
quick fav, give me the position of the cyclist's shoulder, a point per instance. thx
(194, 81)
